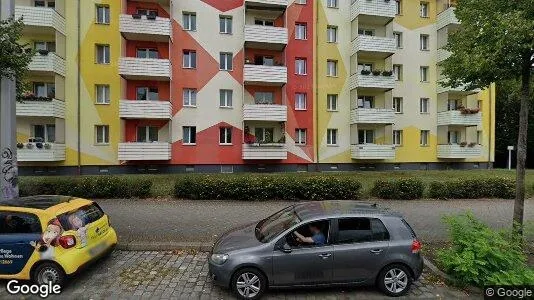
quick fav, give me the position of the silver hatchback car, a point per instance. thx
(319, 244)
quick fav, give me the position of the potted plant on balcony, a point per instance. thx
(248, 61)
(29, 146)
(48, 146)
(43, 51)
(463, 144)
(39, 145)
(20, 145)
(136, 16)
(366, 72)
(377, 72)
(472, 144)
(387, 73)
(151, 17)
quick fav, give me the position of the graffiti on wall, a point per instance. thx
(8, 169)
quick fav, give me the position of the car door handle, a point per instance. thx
(325, 255)
(376, 251)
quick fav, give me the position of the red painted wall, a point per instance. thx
(133, 6)
(163, 88)
(131, 48)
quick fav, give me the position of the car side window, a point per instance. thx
(313, 234)
(359, 230)
(19, 223)
(380, 233)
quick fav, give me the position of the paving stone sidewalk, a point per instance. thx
(182, 275)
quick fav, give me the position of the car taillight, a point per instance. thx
(67, 241)
(416, 246)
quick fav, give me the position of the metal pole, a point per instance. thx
(509, 159)
(8, 152)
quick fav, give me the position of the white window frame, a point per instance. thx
(226, 61)
(398, 105)
(397, 72)
(147, 92)
(105, 51)
(301, 31)
(331, 102)
(147, 51)
(424, 9)
(105, 134)
(331, 34)
(189, 59)
(105, 14)
(363, 99)
(301, 2)
(398, 7)
(46, 129)
(331, 68)
(300, 136)
(226, 98)
(332, 3)
(424, 105)
(190, 97)
(259, 95)
(226, 134)
(147, 129)
(398, 39)
(424, 137)
(47, 86)
(300, 101)
(226, 21)
(424, 73)
(301, 66)
(331, 137)
(189, 21)
(104, 91)
(397, 137)
(424, 42)
(365, 132)
(189, 134)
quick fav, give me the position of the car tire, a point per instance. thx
(46, 272)
(394, 280)
(249, 283)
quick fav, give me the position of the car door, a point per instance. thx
(305, 265)
(360, 246)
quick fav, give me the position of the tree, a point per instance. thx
(496, 43)
(14, 57)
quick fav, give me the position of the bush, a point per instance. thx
(404, 188)
(482, 256)
(473, 188)
(264, 187)
(91, 187)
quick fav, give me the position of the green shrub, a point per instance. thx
(473, 188)
(482, 256)
(403, 188)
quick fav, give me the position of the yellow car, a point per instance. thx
(47, 238)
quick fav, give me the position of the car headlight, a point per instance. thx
(219, 259)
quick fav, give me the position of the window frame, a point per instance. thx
(147, 93)
(191, 96)
(331, 31)
(373, 240)
(332, 137)
(397, 35)
(424, 70)
(426, 136)
(106, 59)
(106, 92)
(398, 75)
(227, 132)
(105, 8)
(303, 97)
(191, 23)
(331, 66)
(147, 129)
(226, 96)
(396, 108)
(398, 134)
(228, 24)
(335, 3)
(426, 102)
(424, 42)
(47, 129)
(299, 133)
(227, 57)
(189, 56)
(304, 62)
(332, 98)
(365, 139)
(192, 135)
(424, 13)
(105, 135)
(301, 26)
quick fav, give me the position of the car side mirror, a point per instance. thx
(285, 248)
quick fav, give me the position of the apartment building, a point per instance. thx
(245, 85)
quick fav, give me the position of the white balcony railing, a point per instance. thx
(372, 116)
(265, 75)
(443, 54)
(455, 117)
(375, 8)
(455, 90)
(268, 3)
(457, 151)
(374, 44)
(145, 68)
(31, 108)
(142, 28)
(264, 112)
(49, 63)
(265, 37)
(446, 18)
(372, 81)
(145, 151)
(264, 151)
(41, 17)
(138, 109)
(47, 152)
(372, 151)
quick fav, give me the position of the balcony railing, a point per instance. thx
(268, 3)
(374, 44)
(372, 151)
(31, 108)
(145, 151)
(41, 17)
(143, 29)
(145, 68)
(265, 37)
(446, 18)
(264, 112)
(140, 109)
(265, 75)
(383, 9)
(264, 151)
(30, 152)
(443, 54)
(372, 81)
(49, 63)
(455, 90)
(372, 116)
(457, 151)
(456, 117)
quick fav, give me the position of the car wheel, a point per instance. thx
(48, 272)
(249, 284)
(394, 280)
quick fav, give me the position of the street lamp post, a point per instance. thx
(8, 152)
(510, 149)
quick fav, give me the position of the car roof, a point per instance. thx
(338, 208)
(54, 204)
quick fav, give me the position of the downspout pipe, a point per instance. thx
(78, 114)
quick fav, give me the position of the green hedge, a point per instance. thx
(473, 188)
(261, 187)
(87, 186)
(403, 188)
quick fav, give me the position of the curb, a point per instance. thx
(165, 246)
(447, 278)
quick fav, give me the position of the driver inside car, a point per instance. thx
(317, 238)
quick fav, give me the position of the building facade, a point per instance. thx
(245, 85)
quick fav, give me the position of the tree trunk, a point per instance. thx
(522, 146)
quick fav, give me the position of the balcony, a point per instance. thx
(443, 54)
(46, 65)
(265, 75)
(447, 18)
(264, 112)
(35, 18)
(375, 46)
(372, 116)
(372, 151)
(457, 151)
(456, 91)
(48, 152)
(32, 108)
(379, 12)
(267, 3)
(145, 151)
(264, 151)
(265, 37)
(133, 68)
(143, 29)
(372, 81)
(139, 109)
(456, 117)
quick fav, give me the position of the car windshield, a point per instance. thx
(271, 227)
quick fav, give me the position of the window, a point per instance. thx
(225, 135)
(331, 34)
(300, 66)
(479, 137)
(225, 63)
(424, 74)
(102, 54)
(263, 98)
(44, 133)
(397, 137)
(363, 31)
(190, 59)
(424, 38)
(365, 66)
(264, 60)
(300, 31)
(225, 24)
(102, 94)
(366, 136)
(225, 98)
(331, 3)
(397, 72)
(264, 135)
(358, 230)
(423, 140)
(102, 14)
(43, 3)
(147, 12)
(331, 68)
(331, 137)
(423, 105)
(147, 93)
(44, 89)
(263, 22)
(39, 3)
(366, 102)
(147, 53)
(190, 21)
(300, 136)
(190, 135)
(48, 46)
(398, 7)
(21, 223)
(331, 102)
(397, 105)
(453, 137)
(300, 2)
(102, 134)
(147, 134)
(300, 101)
(398, 39)
(479, 104)
(190, 97)
(424, 9)
(453, 104)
